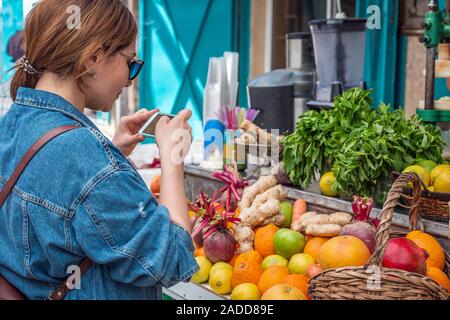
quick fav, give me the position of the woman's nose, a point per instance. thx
(129, 83)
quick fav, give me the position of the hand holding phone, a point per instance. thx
(174, 138)
(149, 127)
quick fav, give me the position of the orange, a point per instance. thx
(264, 240)
(252, 257)
(283, 292)
(431, 245)
(192, 214)
(232, 261)
(343, 251)
(271, 276)
(155, 185)
(199, 252)
(313, 246)
(298, 281)
(247, 268)
(439, 276)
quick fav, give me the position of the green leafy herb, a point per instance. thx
(359, 144)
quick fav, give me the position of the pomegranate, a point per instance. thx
(363, 231)
(219, 245)
(402, 253)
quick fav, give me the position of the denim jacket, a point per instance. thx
(79, 196)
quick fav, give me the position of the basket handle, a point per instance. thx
(396, 192)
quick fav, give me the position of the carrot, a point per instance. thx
(300, 207)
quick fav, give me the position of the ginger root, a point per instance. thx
(246, 138)
(302, 221)
(262, 136)
(264, 183)
(277, 220)
(276, 192)
(309, 223)
(245, 236)
(260, 205)
(340, 218)
(265, 211)
(323, 230)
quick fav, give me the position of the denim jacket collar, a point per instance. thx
(46, 100)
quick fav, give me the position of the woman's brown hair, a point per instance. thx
(54, 42)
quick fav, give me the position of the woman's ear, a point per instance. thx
(96, 57)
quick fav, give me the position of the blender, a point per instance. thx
(339, 48)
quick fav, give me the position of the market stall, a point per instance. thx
(316, 191)
(198, 178)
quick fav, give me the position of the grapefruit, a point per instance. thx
(283, 292)
(343, 251)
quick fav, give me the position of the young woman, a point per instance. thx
(79, 196)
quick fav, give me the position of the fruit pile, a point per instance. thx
(435, 177)
(282, 260)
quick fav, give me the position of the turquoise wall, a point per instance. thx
(11, 21)
(381, 56)
(177, 38)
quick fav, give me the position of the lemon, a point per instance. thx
(437, 171)
(220, 280)
(299, 263)
(442, 182)
(326, 184)
(202, 274)
(430, 188)
(421, 172)
(274, 260)
(219, 265)
(246, 291)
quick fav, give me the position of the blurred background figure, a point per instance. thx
(15, 51)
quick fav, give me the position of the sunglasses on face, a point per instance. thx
(135, 66)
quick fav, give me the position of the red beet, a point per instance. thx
(198, 238)
(402, 253)
(219, 246)
(233, 200)
(363, 231)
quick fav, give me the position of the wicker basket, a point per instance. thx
(433, 205)
(373, 282)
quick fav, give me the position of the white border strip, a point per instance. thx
(269, 36)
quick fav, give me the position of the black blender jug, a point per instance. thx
(339, 47)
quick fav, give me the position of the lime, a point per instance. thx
(286, 211)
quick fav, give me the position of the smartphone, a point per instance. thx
(148, 129)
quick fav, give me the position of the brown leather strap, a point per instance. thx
(63, 288)
(9, 292)
(27, 157)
